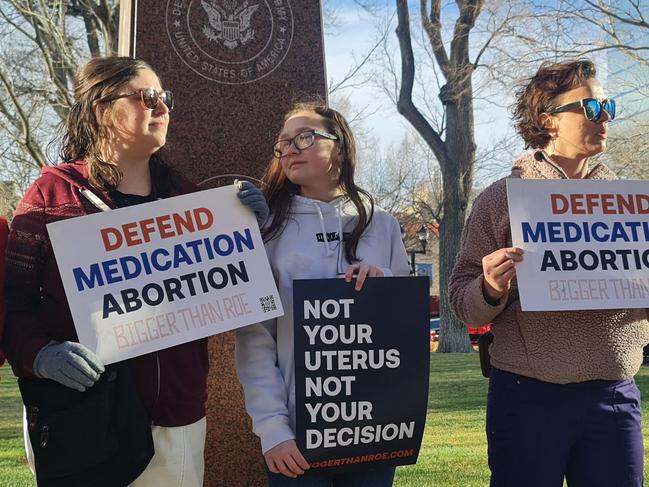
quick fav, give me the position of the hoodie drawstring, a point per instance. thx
(331, 249)
(341, 242)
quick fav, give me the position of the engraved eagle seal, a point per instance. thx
(229, 22)
(230, 41)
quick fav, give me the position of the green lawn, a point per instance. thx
(454, 453)
(13, 471)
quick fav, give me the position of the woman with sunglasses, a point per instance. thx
(562, 401)
(111, 159)
(322, 225)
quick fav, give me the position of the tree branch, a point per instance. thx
(433, 27)
(354, 71)
(21, 122)
(405, 106)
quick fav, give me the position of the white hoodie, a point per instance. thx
(308, 248)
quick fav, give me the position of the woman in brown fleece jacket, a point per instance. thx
(562, 401)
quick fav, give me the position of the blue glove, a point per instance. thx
(251, 196)
(68, 363)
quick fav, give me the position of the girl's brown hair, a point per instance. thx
(83, 129)
(537, 94)
(278, 189)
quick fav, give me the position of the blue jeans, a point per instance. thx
(588, 432)
(372, 477)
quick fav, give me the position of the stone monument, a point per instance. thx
(235, 67)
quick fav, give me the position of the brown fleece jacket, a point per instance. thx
(553, 346)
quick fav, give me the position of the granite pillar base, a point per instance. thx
(232, 452)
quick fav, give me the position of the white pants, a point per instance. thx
(29, 453)
(178, 459)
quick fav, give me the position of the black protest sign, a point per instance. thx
(361, 371)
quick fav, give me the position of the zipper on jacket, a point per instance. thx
(547, 159)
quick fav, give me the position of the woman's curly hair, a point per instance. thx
(536, 95)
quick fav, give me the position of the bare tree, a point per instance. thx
(457, 150)
(9, 197)
(43, 43)
(445, 129)
(628, 152)
(401, 177)
(620, 25)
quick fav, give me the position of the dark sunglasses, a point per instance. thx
(149, 97)
(593, 108)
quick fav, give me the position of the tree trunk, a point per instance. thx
(453, 336)
(456, 153)
(457, 172)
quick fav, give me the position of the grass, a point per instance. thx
(453, 454)
(454, 450)
(13, 470)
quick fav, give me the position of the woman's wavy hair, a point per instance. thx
(84, 129)
(537, 94)
(278, 189)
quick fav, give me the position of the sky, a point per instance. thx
(353, 36)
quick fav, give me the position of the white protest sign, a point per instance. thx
(151, 276)
(586, 243)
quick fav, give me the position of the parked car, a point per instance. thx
(434, 329)
(475, 332)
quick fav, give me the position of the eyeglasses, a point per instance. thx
(593, 108)
(301, 141)
(149, 97)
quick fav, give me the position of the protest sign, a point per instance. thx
(585, 243)
(151, 276)
(361, 371)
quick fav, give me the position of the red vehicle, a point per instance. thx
(475, 332)
(434, 329)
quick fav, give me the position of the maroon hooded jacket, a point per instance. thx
(171, 382)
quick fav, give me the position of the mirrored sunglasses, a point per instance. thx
(592, 107)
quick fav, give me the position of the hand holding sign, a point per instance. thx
(251, 196)
(68, 363)
(498, 269)
(286, 459)
(361, 271)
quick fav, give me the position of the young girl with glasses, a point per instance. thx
(110, 159)
(322, 225)
(562, 401)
